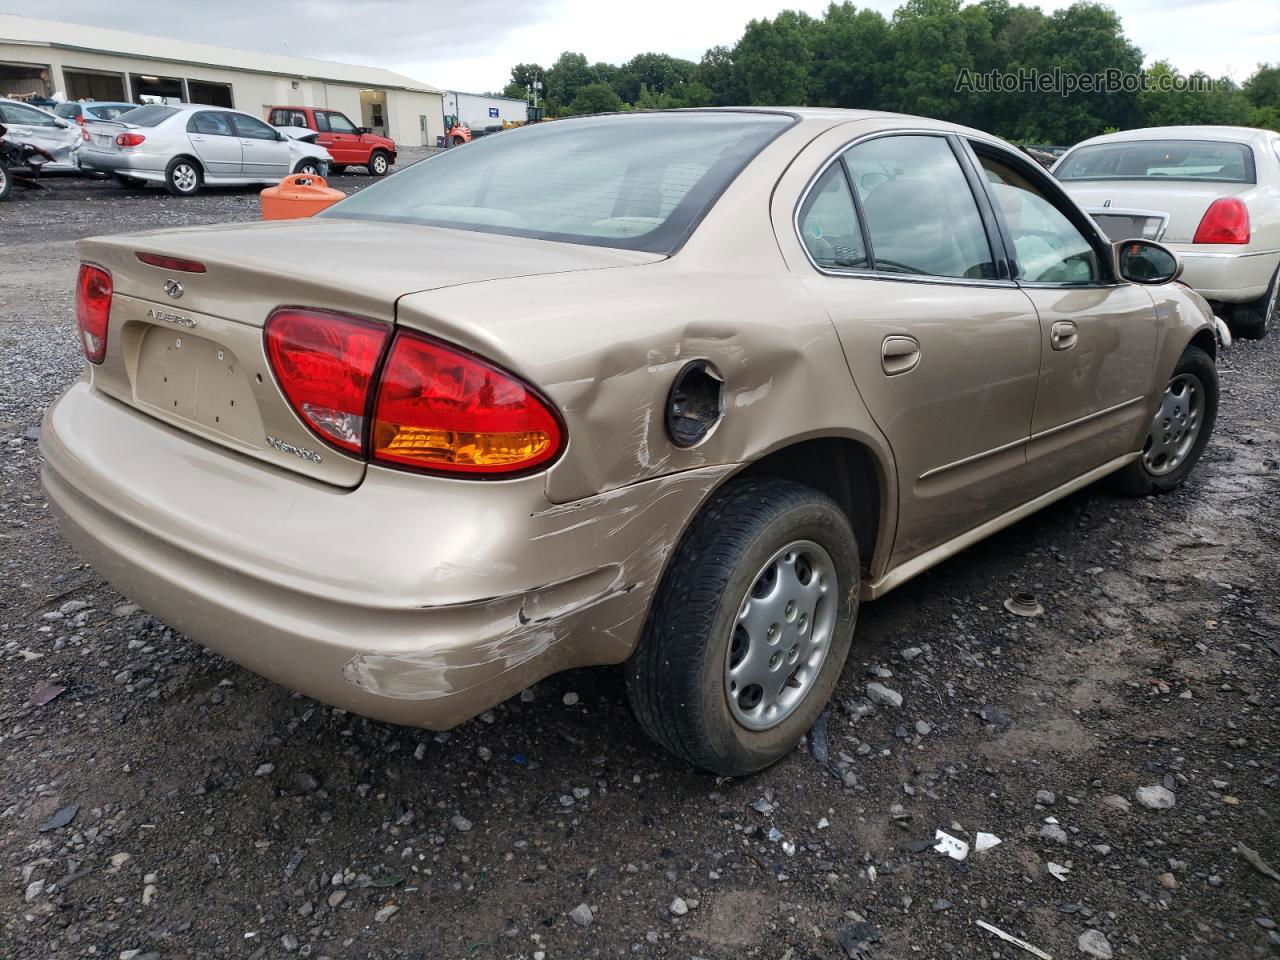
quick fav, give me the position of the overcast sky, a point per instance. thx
(471, 45)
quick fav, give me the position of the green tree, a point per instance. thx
(567, 76)
(595, 98)
(1206, 101)
(718, 73)
(849, 47)
(773, 59)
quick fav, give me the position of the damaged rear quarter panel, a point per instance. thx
(605, 346)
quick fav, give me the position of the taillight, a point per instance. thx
(325, 364)
(93, 310)
(129, 139)
(171, 263)
(84, 134)
(1226, 221)
(445, 411)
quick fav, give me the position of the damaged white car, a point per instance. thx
(59, 138)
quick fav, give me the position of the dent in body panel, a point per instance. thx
(591, 618)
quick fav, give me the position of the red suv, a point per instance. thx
(350, 145)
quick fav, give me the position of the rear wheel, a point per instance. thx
(379, 163)
(1252, 320)
(1179, 431)
(750, 627)
(183, 177)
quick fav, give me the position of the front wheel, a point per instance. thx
(1179, 430)
(309, 167)
(182, 177)
(749, 629)
(6, 182)
(379, 163)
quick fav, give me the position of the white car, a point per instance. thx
(186, 146)
(57, 137)
(1212, 194)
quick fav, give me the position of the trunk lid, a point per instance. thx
(187, 348)
(1119, 205)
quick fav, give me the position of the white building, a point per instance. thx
(479, 110)
(47, 58)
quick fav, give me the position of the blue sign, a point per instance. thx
(493, 112)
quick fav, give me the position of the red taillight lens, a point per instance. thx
(84, 134)
(171, 263)
(129, 139)
(325, 364)
(447, 412)
(93, 310)
(1226, 221)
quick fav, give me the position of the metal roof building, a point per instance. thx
(47, 58)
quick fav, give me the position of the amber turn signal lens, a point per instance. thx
(445, 411)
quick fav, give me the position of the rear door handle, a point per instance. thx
(1062, 335)
(196, 139)
(899, 355)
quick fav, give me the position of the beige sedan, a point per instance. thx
(674, 390)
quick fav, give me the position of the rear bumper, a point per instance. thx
(409, 599)
(1225, 274)
(141, 165)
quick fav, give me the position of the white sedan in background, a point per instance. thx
(57, 137)
(1212, 194)
(186, 146)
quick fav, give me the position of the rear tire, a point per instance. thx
(1169, 454)
(705, 626)
(1252, 320)
(183, 177)
(379, 163)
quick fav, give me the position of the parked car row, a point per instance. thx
(186, 146)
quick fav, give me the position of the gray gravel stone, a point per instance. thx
(878, 693)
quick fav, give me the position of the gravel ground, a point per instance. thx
(156, 801)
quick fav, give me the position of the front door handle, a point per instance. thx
(1062, 335)
(899, 355)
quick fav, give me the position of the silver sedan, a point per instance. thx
(187, 146)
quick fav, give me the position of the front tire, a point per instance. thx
(1179, 431)
(309, 167)
(183, 177)
(6, 182)
(749, 629)
(379, 164)
(1252, 320)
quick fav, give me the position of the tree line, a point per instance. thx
(915, 62)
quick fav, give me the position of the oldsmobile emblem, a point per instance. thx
(173, 288)
(175, 318)
(302, 453)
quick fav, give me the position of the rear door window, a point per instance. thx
(829, 225)
(921, 215)
(210, 122)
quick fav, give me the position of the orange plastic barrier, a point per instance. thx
(298, 195)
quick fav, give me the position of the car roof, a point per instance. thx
(1250, 135)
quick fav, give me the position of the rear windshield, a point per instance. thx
(149, 116)
(639, 182)
(112, 112)
(1161, 160)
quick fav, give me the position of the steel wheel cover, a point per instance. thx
(1176, 425)
(781, 636)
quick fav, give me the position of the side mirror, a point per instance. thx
(1142, 261)
(363, 130)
